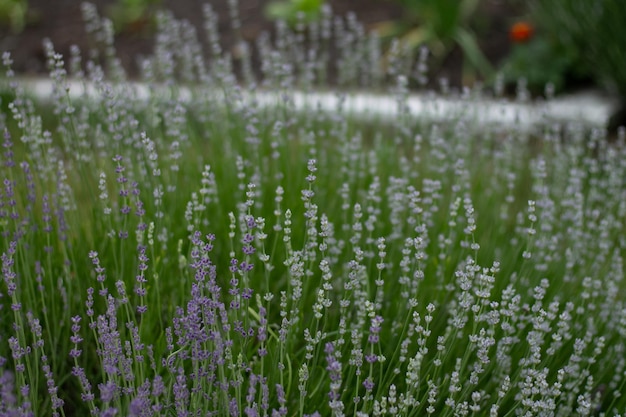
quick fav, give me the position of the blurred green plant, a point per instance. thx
(291, 11)
(440, 24)
(597, 30)
(132, 15)
(542, 61)
(13, 14)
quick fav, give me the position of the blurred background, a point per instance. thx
(550, 46)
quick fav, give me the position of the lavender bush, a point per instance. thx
(198, 252)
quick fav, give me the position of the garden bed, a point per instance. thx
(198, 251)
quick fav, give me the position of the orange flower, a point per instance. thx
(521, 32)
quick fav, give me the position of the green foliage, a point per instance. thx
(440, 24)
(13, 14)
(541, 62)
(291, 11)
(595, 28)
(131, 15)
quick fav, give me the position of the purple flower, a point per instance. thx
(7, 271)
(109, 412)
(280, 395)
(7, 395)
(181, 394)
(8, 153)
(108, 391)
(233, 265)
(89, 302)
(75, 338)
(140, 405)
(368, 384)
(79, 373)
(371, 358)
(233, 408)
(376, 322)
(247, 239)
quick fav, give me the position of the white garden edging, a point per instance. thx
(588, 107)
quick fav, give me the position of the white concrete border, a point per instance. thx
(589, 107)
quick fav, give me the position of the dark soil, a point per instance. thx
(61, 21)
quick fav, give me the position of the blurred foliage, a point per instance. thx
(542, 61)
(440, 25)
(292, 11)
(132, 16)
(13, 14)
(596, 30)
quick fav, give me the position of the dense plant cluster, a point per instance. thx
(202, 252)
(593, 30)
